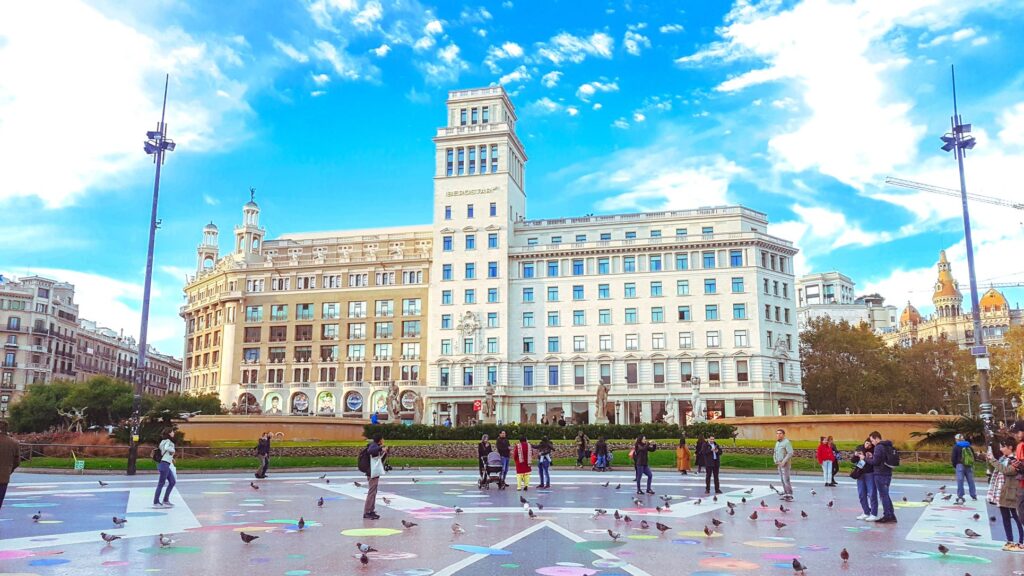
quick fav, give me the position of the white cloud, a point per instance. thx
(340, 60)
(496, 53)
(1012, 121)
(424, 43)
(321, 79)
(117, 72)
(317, 93)
(588, 90)
(634, 41)
(572, 110)
(620, 123)
(475, 16)
(507, 4)
(597, 106)
(368, 17)
(323, 11)
(670, 28)
(447, 66)
(565, 47)
(550, 80)
(33, 238)
(433, 28)
(545, 106)
(638, 117)
(958, 36)
(210, 200)
(382, 50)
(290, 51)
(520, 74)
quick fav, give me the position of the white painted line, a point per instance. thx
(448, 571)
(939, 524)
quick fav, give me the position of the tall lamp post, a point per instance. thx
(156, 145)
(958, 141)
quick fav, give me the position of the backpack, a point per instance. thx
(364, 461)
(157, 455)
(967, 457)
(892, 457)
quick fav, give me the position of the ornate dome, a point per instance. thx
(946, 286)
(910, 316)
(993, 300)
(211, 227)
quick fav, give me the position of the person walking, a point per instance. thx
(168, 473)
(864, 473)
(582, 448)
(505, 451)
(545, 449)
(962, 459)
(880, 460)
(263, 453)
(482, 450)
(712, 463)
(825, 457)
(601, 452)
(522, 454)
(683, 457)
(10, 458)
(376, 452)
(835, 459)
(641, 449)
(699, 450)
(783, 457)
(1004, 491)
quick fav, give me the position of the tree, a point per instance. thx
(845, 367)
(934, 375)
(37, 409)
(171, 405)
(108, 401)
(1007, 363)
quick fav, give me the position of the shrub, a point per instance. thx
(536, 431)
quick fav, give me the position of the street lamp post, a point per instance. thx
(156, 145)
(959, 140)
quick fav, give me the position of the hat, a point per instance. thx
(1018, 426)
(958, 437)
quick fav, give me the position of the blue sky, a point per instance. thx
(798, 109)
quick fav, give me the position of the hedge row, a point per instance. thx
(537, 431)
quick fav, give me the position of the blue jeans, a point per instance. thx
(166, 476)
(545, 473)
(867, 494)
(640, 472)
(504, 467)
(602, 461)
(961, 473)
(882, 482)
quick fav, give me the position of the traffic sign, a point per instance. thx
(979, 350)
(477, 405)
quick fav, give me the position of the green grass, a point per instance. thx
(665, 442)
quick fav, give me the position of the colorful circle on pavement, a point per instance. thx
(903, 555)
(370, 532)
(411, 572)
(297, 573)
(569, 564)
(789, 557)
(565, 571)
(49, 562)
(767, 544)
(728, 564)
(609, 563)
(14, 554)
(50, 522)
(686, 541)
(510, 566)
(387, 556)
(814, 548)
(699, 534)
(480, 550)
(115, 563)
(35, 505)
(171, 550)
(643, 537)
(598, 545)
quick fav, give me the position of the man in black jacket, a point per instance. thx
(883, 476)
(504, 450)
(263, 453)
(711, 454)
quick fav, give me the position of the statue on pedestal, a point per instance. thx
(601, 404)
(394, 404)
(696, 403)
(417, 417)
(489, 404)
(671, 410)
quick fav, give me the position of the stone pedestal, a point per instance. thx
(489, 419)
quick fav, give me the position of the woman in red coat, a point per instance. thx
(522, 454)
(825, 457)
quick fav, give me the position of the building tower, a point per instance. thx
(249, 236)
(947, 297)
(478, 196)
(208, 250)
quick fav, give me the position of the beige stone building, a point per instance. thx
(310, 323)
(104, 352)
(950, 322)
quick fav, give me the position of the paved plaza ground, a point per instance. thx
(562, 539)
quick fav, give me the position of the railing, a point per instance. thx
(706, 211)
(638, 242)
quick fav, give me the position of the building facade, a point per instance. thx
(831, 294)
(104, 352)
(950, 322)
(538, 312)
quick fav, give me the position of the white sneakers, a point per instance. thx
(871, 519)
(862, 517)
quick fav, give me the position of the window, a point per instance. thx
(556, 239)
(446, 347)
(606, 235)
(603, 292)
(467, 376)
(683, 313)
(655, 263)
(251, 355)
(709, 259)
(603, 266)
(711, 312)
(462, 117)
(775, 287)
(785, 290)
(707, 230)
(448, 209)
(735, 258)
(280, 283)
(468, 346)
(446, 321)
(254, 285)
(492, 240)
(445, 374)
(383, 330)
(382, 308)
(254, 313)
(470, 270)
(577, 267)
(714, 371)
(657, 314)
(767, 311)
(686, 340)
(553, 344)
(579, 343)
(528, 270)
(492, 345)
(553, 375)
(330, 311)
(604, 317)
(532, 241)
(631, 372)
(742, 372)
(629, 264)
(446, 243)
(492, 269)
(304, 332)
(659, 372)
(656, 289)
(469, 210)
(553, 319)
(411, 307)
(629, 290)
(579, 375)
(630, 315)
(527, 345)
(655, 233)
(632, 341)
(470, 241)
(710, 286)
(252, 334)
(777, 310)
(605, 343)
(357, 331)
(714, 341)
(356, 351)
(470, 296)
(577, 292)
(769, 339)
(494, 158)
(631, 235)
(581, 237)
(527, 319)
(473, 116)
(492, 319)
(528, 376)
(485, 118)
(493, 209)
(579, 318)
(446, 297)
(278, 312)
(527, 294)
(786, 318)
(411, 329)
(492, 295)
(606, 373)
(739, 311)
(385, 278)
(737, 285)
(552, 293)
(446, 272)
(682, 287)
(357, 309)
(685, 371)
(658, 341)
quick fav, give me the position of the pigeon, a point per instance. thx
(119, 522)
(365, 548)
(814, 492)
(617, 515)
(526, 506)
(408, 524)
(714, 498)
(108, 538)
(743, 500)
(414, 480)
(976, 516)
(947, 496)
(357, 484)
(323, 476)
(247, 537)
(707, 531)
(644, 525)
(539, 507)
(328, 480)
(638, 503)
(831, 503)
(605, 485)
(730, 512)
(783, 509)
(751, 491)
(37, 516)
(928, 499)
(627, 519)
(102, 483)
(254, 486)
(364, 559)
(600, 511)
(803, 514)
(943, 550)
(753, 516)
(763, 505)
(779, 525)
(302, 523)
(618, 486)
(320, 502)
(666, 506)
(457, 529)
(523, 500)
(942, 488)
(971, 533)
(845, 556)
(991, 518)
(798, 567)
(459, 510)
(658, 509)
(165, 541)
(387, 502)
(905, 499)
(615, 535)
(696, 502)
(665, 498)
(440, 471)
(662, 527)
(730, 505)
(530, 513)
(716, 522)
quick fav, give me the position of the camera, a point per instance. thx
(387, 465)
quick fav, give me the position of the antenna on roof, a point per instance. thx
(252, 194)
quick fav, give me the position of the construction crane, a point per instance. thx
(952, 192)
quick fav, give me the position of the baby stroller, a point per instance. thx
(491, 472)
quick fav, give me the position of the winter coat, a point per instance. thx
(582, 442)
(601, 448)
(1004, 490)
(483, 449)
(523, 455)
(825, 454)
(700, 451)
(878, 458)
(640, 452)
(682, 458)
(710, 454)
(502, 446)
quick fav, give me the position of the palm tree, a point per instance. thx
(946, 429)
